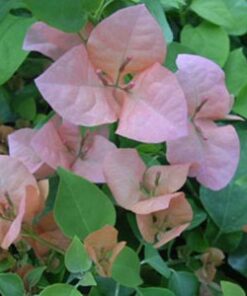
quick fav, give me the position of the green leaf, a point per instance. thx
(230, 289)
(184, 284)
(236, 71)
(156, 10)
(87, 280)
(61, 290)
(170, 4)
(238, 259)
(199, 215)
(25, 107)
(6, 114)
(214, 11)
(11, 285)
(153, 258)
(91, 5)
(174, 49)
(12, 33)
(240, 105)
(227, 242)
(154, 292)
(227, 207)
(107, 286)
(34, 276)
(7, 5)
(126, 268)
(238, 10)
(81, 207)
(76, 257)
(207, 40)
(61, 14)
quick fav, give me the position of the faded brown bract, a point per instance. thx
(211, 259)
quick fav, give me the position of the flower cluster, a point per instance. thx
(114, 73)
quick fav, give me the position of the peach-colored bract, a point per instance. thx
(87, 86)
(59, 143)
(20, 147)
(149, 192)
(50, 41)
(20, 199)
(162, 226)
(103, 248)
(212, 150)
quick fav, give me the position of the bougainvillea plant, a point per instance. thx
(123, 144)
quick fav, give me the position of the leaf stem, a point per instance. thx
(33, 235)
(117, 289)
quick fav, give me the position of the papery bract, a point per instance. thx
(212, 151)
(211, 259)
(20, 147)
(86, 85)
(103, 248)
(59, 143)
(138, 37)
(162, 226)
(19, 197)
(138, 188)
(50, 41)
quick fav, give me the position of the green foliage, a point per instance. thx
(34, 276)
(12, 33)
(153, 258)
(214, 11)
(126, 268)
(81, 207)
(183, 284)
(60, 14)
(154, 291)
(230, 289)
(61, 290)
(238, 258)
(11, 285)
(207, 40)
(156, 9)
(236, 71)
(240, 105)
(76, 257)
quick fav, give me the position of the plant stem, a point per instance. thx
(117, 289)
(33, 235)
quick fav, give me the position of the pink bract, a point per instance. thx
(212, 150)
(50, 41)
(138, 188)
(160, 227)
(86, 86)
(20, 147)
(20, 199)
(59, 143)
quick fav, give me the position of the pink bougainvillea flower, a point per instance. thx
(87, 87)
(20, 199)
(162, 213)
(103, 248)
(212, 150)
(160, 227)
(20, 147)
(52, 42)
(59, 143)
(138, 188)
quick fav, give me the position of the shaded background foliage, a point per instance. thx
(216, 29)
